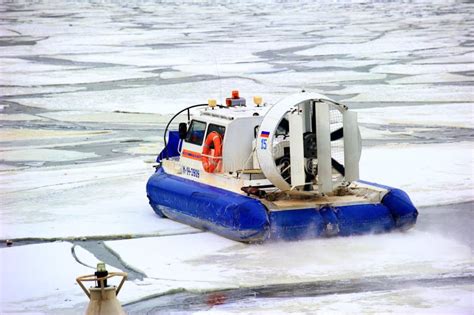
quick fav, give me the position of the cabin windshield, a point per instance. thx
(195, 133)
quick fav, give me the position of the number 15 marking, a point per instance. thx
(263, 144)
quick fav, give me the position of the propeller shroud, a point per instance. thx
(342, 142)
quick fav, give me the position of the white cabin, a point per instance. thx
(237, 127)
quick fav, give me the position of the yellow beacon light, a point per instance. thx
(257, 100)
(212, 103)
(101, 267)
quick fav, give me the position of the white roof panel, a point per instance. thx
(235, 112)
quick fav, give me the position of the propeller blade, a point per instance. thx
(323, 141)
(338, 167)
(337, 134)
(296, 124)
(351, 146)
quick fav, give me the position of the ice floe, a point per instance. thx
(441, 115)
(21, 134)
(451, 58)
(432, 174)
(407, 93)
(17, 117)
(306, 79)
(163, 99)
(11, 66)
(38, 90)
(436, 78)
(207, 260)
(344, 63)
(91, 75)
(48, 283)
(239, 69)
(65, 201)
(44, 155)
(107, 117)
(423, 68)
(396, 42)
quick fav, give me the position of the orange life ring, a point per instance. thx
(211, 159)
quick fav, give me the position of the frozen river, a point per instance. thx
(86, 88)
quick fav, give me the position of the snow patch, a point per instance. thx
(80, 198)
(33, 281)
(431, 174)
(206, 260)
(442, 115)
(407, 93)
(45, 155)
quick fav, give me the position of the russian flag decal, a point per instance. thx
(265, 134)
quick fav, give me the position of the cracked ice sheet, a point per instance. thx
(343, 63)
(109, 38)
(416, 300)
(135, 57)
(165, 98)
(395, 41)
(103, 117)
(423, 68)
(209, 53)
(451, 58)
(10, 66)
(22, 134)
(44, 155)
(18, 50)
(48, 283)
(58, 292)
(304, 79)
(17, 117)
(431, 174)
(433, 78)
(204, 261)
(442, 115)
(406, 93)
(53, 40)
(240, 69)
(72, 201)
(43, 90)
(91, 75)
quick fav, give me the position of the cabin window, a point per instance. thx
(219, 129)
(196, 132)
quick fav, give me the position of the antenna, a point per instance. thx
(219, 76)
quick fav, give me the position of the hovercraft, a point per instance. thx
(283, 172)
